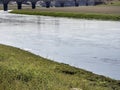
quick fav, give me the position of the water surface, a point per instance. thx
(89, 44)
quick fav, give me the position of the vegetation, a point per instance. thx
(114, 3)
(111, 3)
(70, 14)
(22, 70)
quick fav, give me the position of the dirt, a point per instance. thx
(85, 9)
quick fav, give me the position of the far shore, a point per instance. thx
(80, 9)
(84, 12)
(83, 9)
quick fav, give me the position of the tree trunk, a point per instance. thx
(5, 6)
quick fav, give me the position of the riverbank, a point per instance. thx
(22, 70)
(90, 12)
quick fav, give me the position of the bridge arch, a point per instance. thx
(19, 3)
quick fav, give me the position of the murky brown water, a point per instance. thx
(88, 44)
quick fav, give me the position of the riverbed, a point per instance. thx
(93, 45)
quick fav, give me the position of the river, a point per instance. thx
(93, 45)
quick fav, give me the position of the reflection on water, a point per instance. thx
(89, 44)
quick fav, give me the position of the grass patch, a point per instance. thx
(117, 3)
(22, 70)
(70, 14)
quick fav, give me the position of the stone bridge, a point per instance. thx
(60, 3)
(19, 3)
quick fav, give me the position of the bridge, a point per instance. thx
(20, 2)
(60, 3)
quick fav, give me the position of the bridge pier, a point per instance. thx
(33, 5)
(76, 4)
(19, 5)
(5, 6)
(62, 4)
(47, 4)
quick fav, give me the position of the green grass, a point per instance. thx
(112, 3)
(70, 14)
(117, 3)
(22, 70)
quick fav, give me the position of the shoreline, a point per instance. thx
(89, 16)
(82, 12)
(24, 66)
